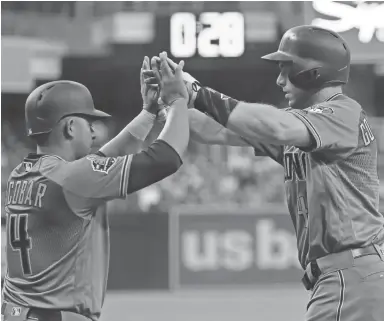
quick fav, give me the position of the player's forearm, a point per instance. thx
(123, 144)
(176, 128)
(205, 130)
(158, 126)
(202, 128)
(259, 122)
(253, 121)
(130, 139)
(268, 124)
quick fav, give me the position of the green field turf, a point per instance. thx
(263, 304)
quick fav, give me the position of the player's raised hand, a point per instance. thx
(172, 85)
(186, 76)
(149, 87)
(192, 84)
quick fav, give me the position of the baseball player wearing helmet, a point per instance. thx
(57, 228)
(329, 154)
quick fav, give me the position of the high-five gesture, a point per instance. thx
(171, 82)
(149, 87)
(191, 83)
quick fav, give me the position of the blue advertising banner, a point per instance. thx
(232, 248)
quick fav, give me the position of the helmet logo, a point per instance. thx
(43, 92)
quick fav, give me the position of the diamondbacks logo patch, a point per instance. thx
(101, 164)
(320, 110)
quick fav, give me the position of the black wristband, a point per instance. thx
(215, 104)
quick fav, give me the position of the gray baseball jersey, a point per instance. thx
(58, 234)
(332, 188)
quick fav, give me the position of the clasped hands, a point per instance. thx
(163, 82)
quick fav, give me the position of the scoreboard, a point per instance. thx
(208, 39)
(210, 34)
(237, 34)
(216, 40)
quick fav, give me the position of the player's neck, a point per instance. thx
(323, 95)
(57, 150)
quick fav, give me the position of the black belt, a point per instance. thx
(312, 275)
(25, 313)
(16, 312)
(369, 250)
(44, 315)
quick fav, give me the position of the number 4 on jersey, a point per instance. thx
(19, 240)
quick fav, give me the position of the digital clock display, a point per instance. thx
(209, 34)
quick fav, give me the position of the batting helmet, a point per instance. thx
(51, 102)
(319, 57)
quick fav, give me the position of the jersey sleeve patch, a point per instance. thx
(320, 110)
(101, 164)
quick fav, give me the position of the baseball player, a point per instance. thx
(329, 154)
(57, 228)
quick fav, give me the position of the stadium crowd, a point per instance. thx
(210, 175)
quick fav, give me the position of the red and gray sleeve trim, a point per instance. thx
(310, 127)
(125, 175)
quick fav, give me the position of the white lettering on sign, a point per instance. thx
(366, 17)
(213, 34)
(212, 250)
(276, 249)
(239, 250)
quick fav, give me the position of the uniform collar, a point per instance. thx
(333, 97)
(36, 156)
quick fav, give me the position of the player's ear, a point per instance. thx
(69, 128)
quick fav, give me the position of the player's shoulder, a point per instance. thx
(340, 105)
(61, 171)
(56, 166)
(29, 166)
(342, 101)
(15, 172)
(50, 163)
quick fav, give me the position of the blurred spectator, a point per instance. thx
(210, 174)
(3, 244)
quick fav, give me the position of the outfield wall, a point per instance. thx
(231, 247)
(203, 247)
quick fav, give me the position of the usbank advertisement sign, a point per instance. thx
(233, 249)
